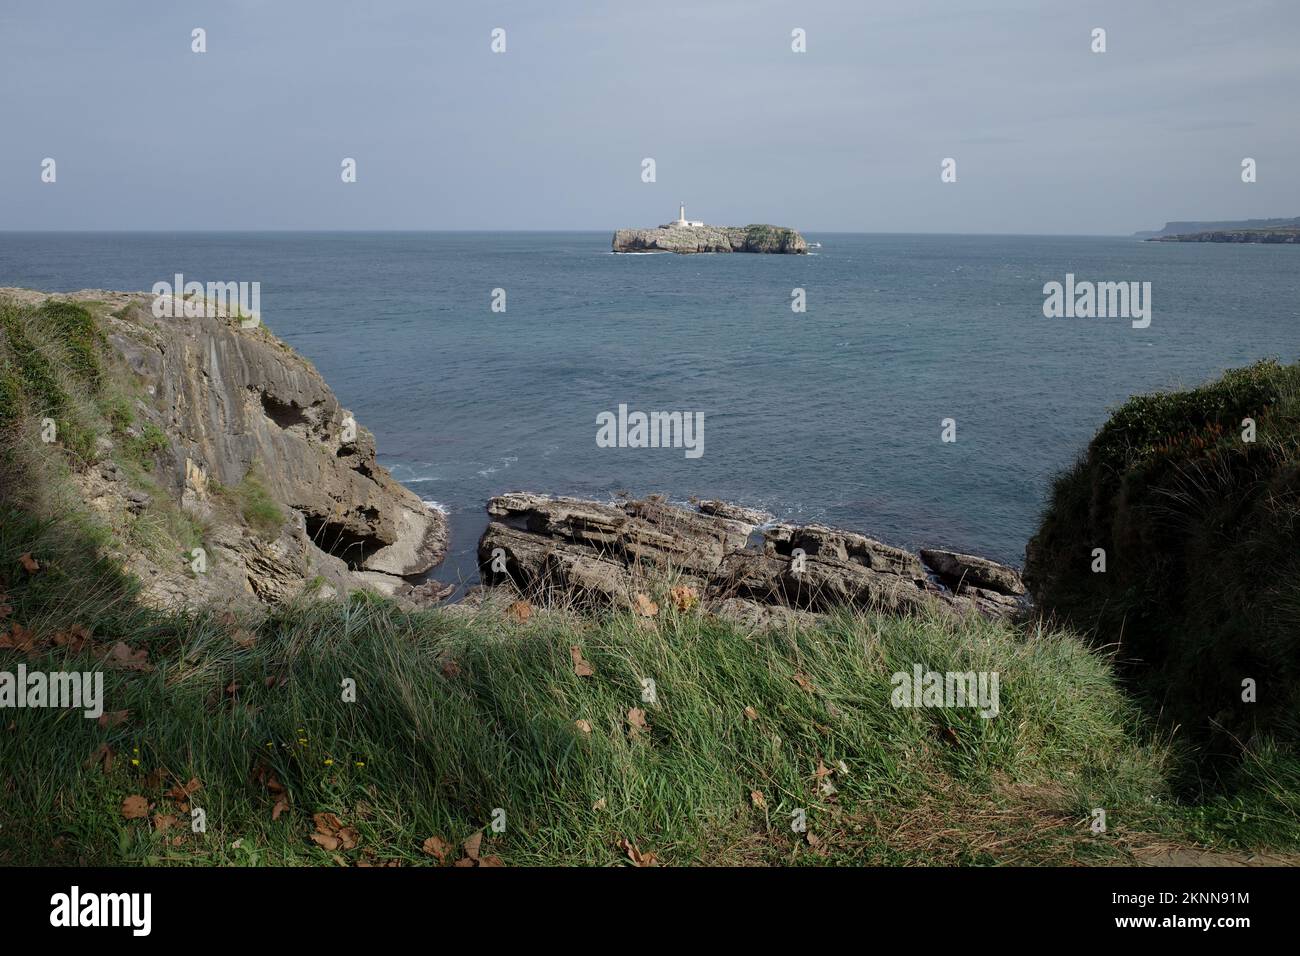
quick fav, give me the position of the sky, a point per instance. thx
(1048, 136)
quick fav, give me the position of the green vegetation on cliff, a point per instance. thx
(1200, 523)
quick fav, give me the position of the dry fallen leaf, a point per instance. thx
(636, 856)
(30, 564)
(802, 680)
(599, 804)
(111, 718)
(580, 667)
(757, 799)
(636, 719)
(281, 805)
(464, 861)
(751, 713)
(332, 834)
(262, 776)
(327, 823)
(182, 791)
(471, 845)
(684, 597)
(436, 846)
(583, 725)
(164, 822)
(103, 756)
(135, 808)
(642, 605)
(520, 611)
(74, 638)
(450, 668)
(491, 861)
(19, 638)
(325, 841)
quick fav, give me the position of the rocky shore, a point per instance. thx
(690, 239)
(221, 439)
(732, 560)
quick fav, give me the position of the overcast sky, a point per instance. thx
(1049, 137)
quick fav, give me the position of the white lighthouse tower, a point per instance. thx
(681, 219)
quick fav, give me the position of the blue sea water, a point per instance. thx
(833, 415)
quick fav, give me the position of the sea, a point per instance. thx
(835, 414)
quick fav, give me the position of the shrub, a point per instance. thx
(1201, 533)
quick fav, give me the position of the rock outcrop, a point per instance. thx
(592, 554)
(688, 239)
(243, 437)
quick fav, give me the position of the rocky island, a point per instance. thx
(686, 236)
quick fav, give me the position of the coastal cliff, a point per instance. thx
(220, 462)
(1289, 234)
(689, 239)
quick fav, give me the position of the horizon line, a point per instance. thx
(299, 231)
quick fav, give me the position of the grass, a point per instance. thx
(49, 358)
(254, 503)
(460, 716)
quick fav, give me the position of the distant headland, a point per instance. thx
(1244, 230)
(684, 235)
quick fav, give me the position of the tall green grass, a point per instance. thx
(459, 716)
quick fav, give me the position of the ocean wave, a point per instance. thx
(504, 463)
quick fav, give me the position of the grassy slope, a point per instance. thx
(457, 716)
(443, 744)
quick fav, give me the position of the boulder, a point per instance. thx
(567, 550)
(967, 570)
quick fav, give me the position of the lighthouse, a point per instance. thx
(681, 219)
